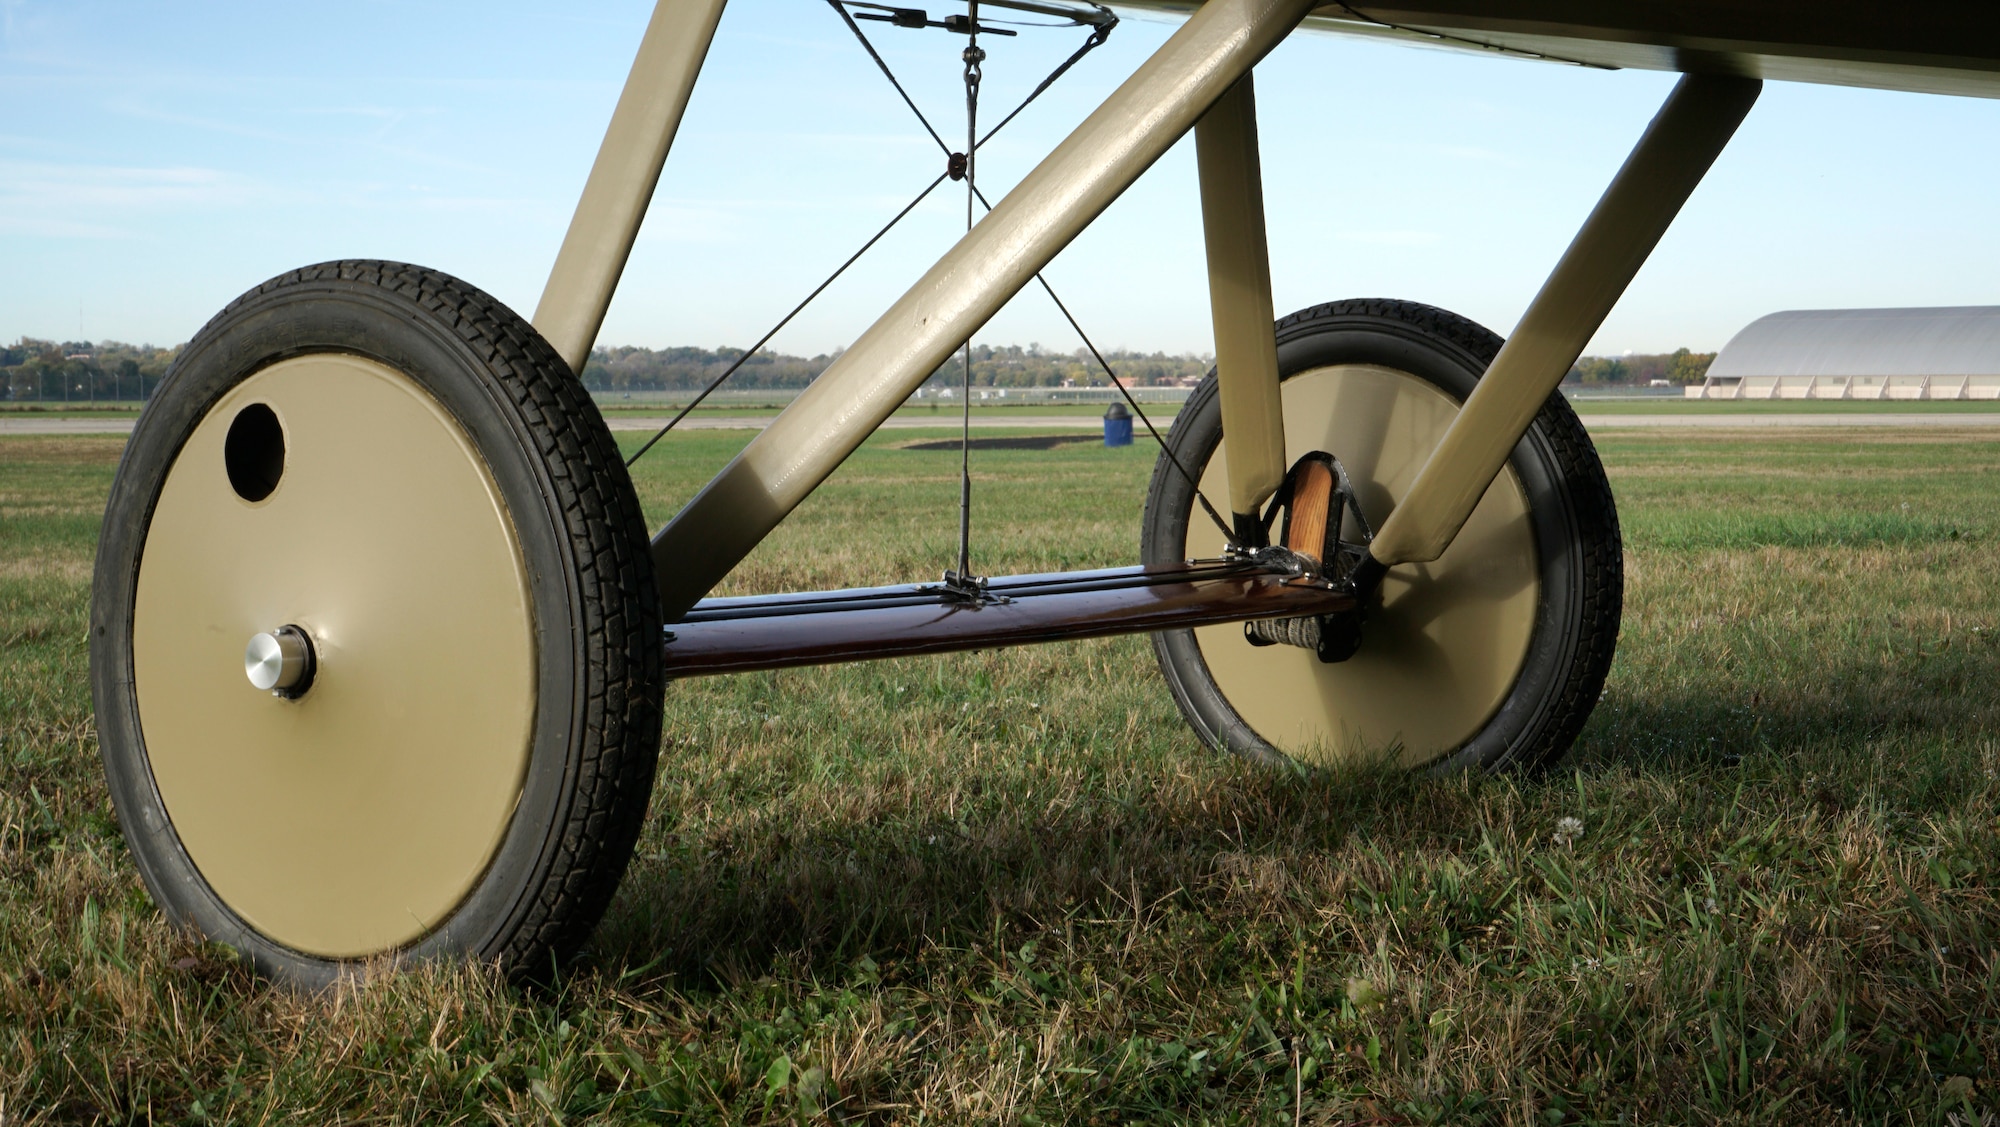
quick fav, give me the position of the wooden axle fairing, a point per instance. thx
(738, 635)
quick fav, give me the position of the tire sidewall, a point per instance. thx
(353, 317)
(1519, 730)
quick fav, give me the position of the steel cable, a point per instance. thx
(1098, 33)
(786, 320)
(1096, 39)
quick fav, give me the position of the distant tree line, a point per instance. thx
(33, 370)
(79, 371)
(1679, 367)
(626, 368)
(684, 369)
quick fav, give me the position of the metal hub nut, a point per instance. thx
(280, 661)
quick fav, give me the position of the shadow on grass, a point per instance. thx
(824, 893)
(1005, 442)
(727, 898)
(1854, 697)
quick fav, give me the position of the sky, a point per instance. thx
(158, 158)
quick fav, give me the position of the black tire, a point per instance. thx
(1574, 528)
(594, 736)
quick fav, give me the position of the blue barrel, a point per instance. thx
(1118, 426)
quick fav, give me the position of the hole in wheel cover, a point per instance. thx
(254, 452)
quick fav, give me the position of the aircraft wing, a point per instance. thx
(1935, 48)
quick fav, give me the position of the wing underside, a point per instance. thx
(1928, 48)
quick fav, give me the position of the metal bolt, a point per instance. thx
(280, 661)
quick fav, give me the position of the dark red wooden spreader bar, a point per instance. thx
(737, 635)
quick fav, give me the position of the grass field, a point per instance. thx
(942, 412)
(1663, 405)
(1011, 887)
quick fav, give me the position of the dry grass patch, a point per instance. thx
(62, 450)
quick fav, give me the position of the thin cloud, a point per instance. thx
(1474, 153)
(43, 227)
(80, 201)
(1390, 238)
(214, 125)
(427, 158)
(670, 223)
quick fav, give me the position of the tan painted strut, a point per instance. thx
(1111, 148)
(1670, 159)
(621, 181)
(1239, 296)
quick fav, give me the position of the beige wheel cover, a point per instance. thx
(353, 820)
(1448, 642)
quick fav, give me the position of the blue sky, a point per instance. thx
(156, 159)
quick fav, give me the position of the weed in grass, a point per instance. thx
(1010, 886)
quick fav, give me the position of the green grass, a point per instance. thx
(942, 411)
(1666, 405)
(1011, 887)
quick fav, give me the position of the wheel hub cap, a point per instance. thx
(279, 661)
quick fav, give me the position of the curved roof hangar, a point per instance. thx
(1938, 341)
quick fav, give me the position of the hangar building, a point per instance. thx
(1939, 353)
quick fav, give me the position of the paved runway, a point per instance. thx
(1981, 420)
(65, 426)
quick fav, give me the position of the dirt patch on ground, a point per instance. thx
(1007, 442)
(74, 450)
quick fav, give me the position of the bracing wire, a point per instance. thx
(1099, 30)
(1229, 535)
(973, 56)
(869, 47)
(1096, 39)
(786, 319)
